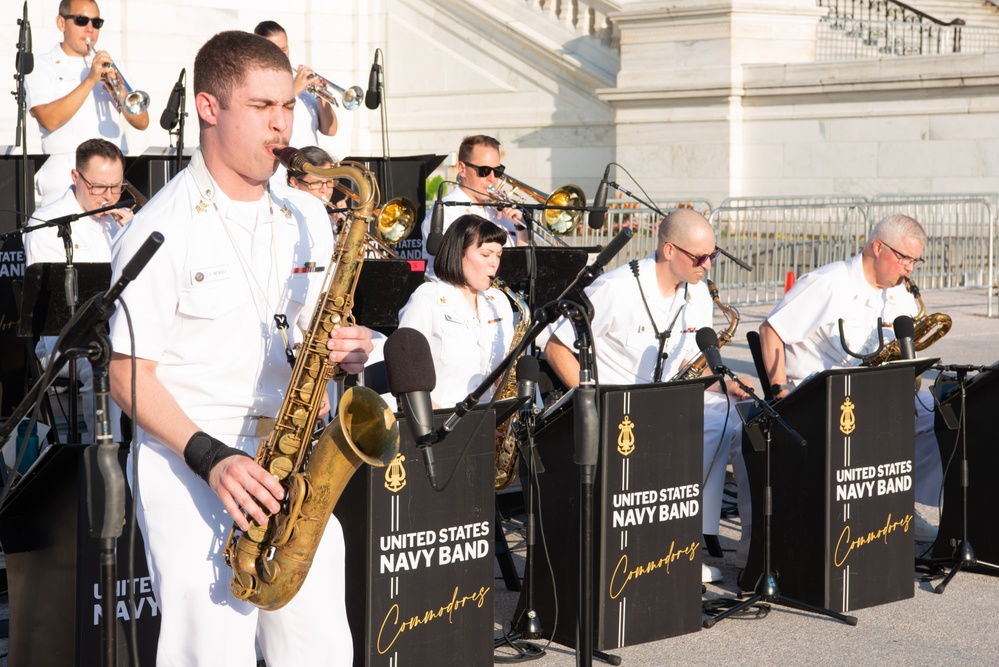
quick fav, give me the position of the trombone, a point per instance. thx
(325, 89)
(555, 221)
(134, 102)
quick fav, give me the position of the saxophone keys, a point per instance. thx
(301, 416)
(256, 533)
(289, 444)
(281, 467)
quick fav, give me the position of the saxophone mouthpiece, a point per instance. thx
(291, 158)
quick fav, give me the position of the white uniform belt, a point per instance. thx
(254, 426)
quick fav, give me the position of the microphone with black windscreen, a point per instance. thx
(707, 343)
(436, 234)
(409, 371)
(171, 114)
(25, 58)
(528, 372)
(904, 334)
(596, 217)
(373, 98)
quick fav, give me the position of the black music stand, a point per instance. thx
(403, 176)
(556, 269)
(44, 311)
(383, 288)
(970, 400)
(43, 307)
(15, 206)
(149, 172)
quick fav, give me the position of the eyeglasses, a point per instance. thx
(318, 185)
(81, 21)
(98, 189)
(905, 260)
(483, 172)
(698, 260)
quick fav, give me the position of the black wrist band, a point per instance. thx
(203, 452)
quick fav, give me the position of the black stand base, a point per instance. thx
(963, 558)
(768, 591)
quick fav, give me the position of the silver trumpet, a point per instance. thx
(133, 101)
(322, 87)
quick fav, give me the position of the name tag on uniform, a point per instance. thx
(210, 274)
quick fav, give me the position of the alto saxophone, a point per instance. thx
(507, 451)
(694, 367)
(927, 329)
(270, 561)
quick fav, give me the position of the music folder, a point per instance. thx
(43, 302)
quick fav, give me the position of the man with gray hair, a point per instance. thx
(801, 336)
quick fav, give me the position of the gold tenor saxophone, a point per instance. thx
(693, 368)
(507, 452)
(270, 561)
(927, 329)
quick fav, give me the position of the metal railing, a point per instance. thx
(841, 38)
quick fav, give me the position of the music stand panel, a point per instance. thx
(420, 563)
(43, 302)
(383, 288)
(843, 504)
(647, 579)
(981, 398)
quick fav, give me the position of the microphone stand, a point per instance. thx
(767, 589)
(181, 122)
(964, 553)
(25, 64)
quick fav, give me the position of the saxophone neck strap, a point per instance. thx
(661, 337)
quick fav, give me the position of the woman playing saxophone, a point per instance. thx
(468, 324)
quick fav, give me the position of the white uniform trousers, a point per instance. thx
(185, 527)
(719, 437)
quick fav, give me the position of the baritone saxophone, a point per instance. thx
(270, 561)
(695, 366)
(507, 451)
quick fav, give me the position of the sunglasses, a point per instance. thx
(699, 260)
(81, 21)
(483, 172)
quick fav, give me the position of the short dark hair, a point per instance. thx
(223, 62)
(461, 235)
(65, 6)
(315, 156)
(468, 144)
(268, 28)
(94, 148)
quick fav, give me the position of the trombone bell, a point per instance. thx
(395, 221)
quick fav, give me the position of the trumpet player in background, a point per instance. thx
(478, 168)
(660, 305)
(312, 113)
(66, 95)
(801, 336)
(97, 181)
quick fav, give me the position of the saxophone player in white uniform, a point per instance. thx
(211, 363)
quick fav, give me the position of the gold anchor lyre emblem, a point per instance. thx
(395, 474)
(847, 420)
(626, 439)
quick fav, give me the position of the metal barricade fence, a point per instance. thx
(961, 233)
(781, 235)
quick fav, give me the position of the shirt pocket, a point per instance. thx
(458, 344)
(211, 301)
(641, 341)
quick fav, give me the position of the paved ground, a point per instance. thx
(959, 627)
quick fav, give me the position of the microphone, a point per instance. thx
(527, 381)
(171, 114)
(613, 248)
(707, 343)
(409, 370)
(904, 333)
(597, 216)
(373, 97)
(25, 58)
(436, 235)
